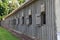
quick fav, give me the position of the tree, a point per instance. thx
(13, 4)
(7, 6)
(3, 9)
(21, 1)
(5, 1)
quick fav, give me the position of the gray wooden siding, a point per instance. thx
(45, 32)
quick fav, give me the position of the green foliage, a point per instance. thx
(6, 7)
(5, 1)
(3, 9)
(21, 1)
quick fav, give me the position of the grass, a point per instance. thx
(5, 35)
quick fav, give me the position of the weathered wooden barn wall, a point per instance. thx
(38, 32)
(57, 12)
(57, 7)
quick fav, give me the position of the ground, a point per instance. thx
(5, 35)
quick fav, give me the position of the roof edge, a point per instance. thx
(20, 7)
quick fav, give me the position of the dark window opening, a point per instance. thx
(30, 19)
(22, 20)
(43, 18)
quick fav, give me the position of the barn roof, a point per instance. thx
(19, 8)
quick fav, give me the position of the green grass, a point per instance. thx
(5, 35)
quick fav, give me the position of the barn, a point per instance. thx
(37, 19)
